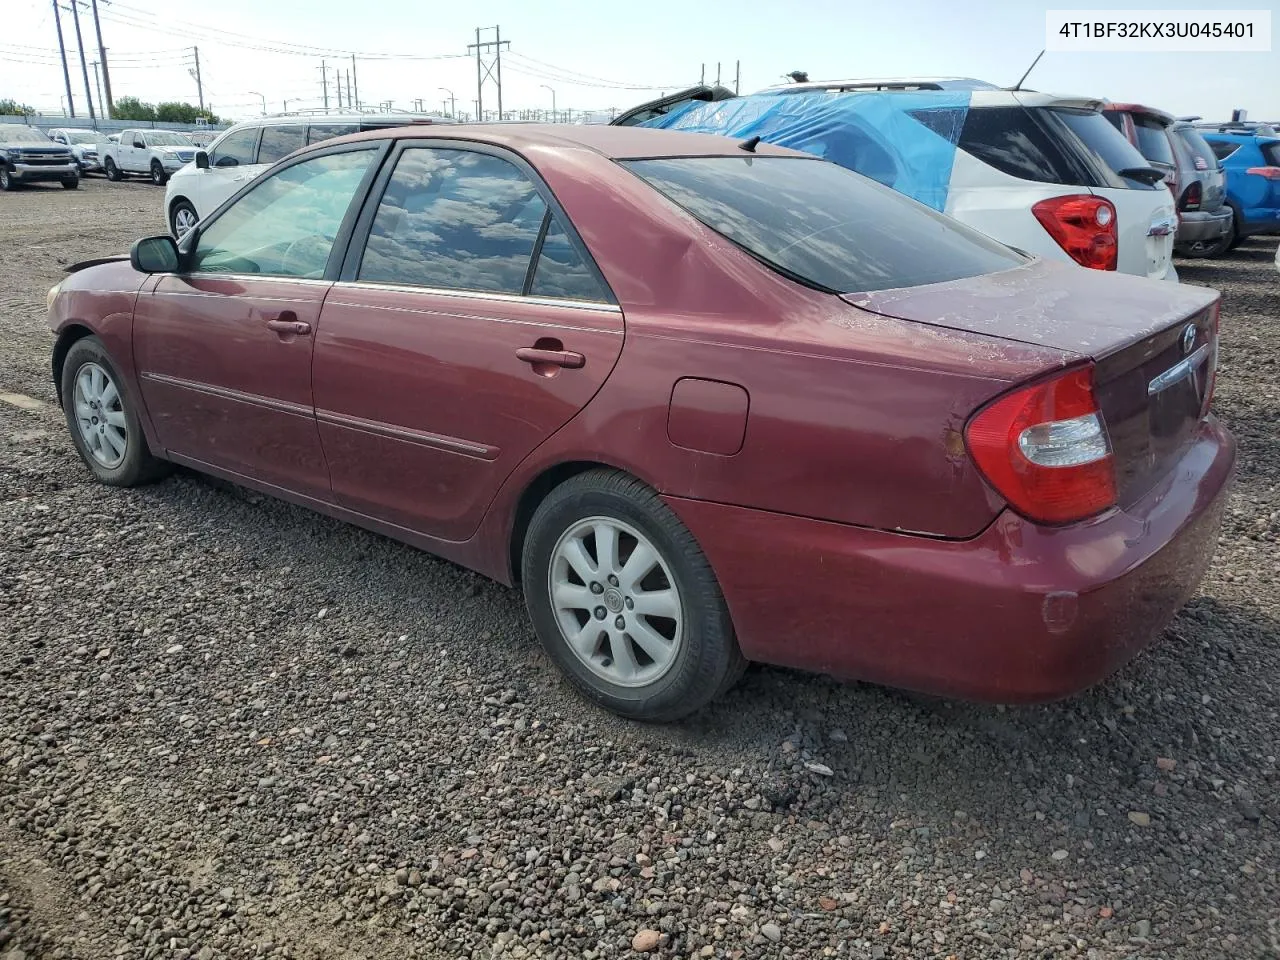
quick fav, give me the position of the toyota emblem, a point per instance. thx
(1188, 338)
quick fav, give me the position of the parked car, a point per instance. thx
(1192, 172)
(246, 150)
(83, 145)
(842, 432)
(1042, 173)
(154, 153)
(28, 156)
(1252, 164)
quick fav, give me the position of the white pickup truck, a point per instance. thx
(154, 153)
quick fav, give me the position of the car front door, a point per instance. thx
(224, 348)
(470, 323)
(137, 160)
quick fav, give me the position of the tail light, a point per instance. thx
(1270, 173)
(1191, 197)
(1084, 226)
(1044, 447)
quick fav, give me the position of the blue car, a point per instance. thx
(1252, 162)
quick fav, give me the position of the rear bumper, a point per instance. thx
(1020, 613)
(1203, 227)
(34, 174)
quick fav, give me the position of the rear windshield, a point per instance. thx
(1102, 143)
(1060, 145)
(1271, 153)
(1196, 147)
(1153, 142)
(823, 225)
(1223, 148)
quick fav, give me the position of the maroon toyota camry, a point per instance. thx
(707, 401)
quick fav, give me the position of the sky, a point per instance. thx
(592, 54)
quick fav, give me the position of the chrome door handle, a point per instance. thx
(558, 358)
(288, 323)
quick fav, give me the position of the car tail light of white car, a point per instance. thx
(1045, 449)
(1084, 226)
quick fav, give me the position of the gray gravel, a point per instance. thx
(230, 728)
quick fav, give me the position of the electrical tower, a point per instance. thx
(488, 66)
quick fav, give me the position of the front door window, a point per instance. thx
(287, 224)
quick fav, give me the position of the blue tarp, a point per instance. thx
(905, 140)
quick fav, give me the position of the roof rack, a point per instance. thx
(1238, 126)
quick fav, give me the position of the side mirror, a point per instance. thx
(155, 255)
(202, 159)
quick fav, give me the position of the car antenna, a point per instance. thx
(750, 145)
(1018, 85)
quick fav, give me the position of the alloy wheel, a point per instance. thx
(184, 218)
(100, 415)
(616, 602)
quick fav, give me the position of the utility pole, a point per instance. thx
(102, 56)
(355, 82)
(717, 73)
(337, 82)
(737, 75)
(553, 101)
(62, 48)
(702, 77)
(97, 76)
(324, 82)
(199, 84)
(491, 70)
(453, 104)
(350, 103)
(84, 66)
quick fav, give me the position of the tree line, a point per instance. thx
(130, 108)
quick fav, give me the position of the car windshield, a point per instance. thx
(164, 138)
(14, 133)
(823, 225)
(81, 136)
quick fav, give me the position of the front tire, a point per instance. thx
(71, 183)
(7, 180)
(624, 601)
(182, 218)
(158, 176)
(112, 171)
(102, 419)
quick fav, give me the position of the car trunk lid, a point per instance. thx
(1154, 346)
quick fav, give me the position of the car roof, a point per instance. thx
(616, 143)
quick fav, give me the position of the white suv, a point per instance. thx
(1045, 174)
(248, 149)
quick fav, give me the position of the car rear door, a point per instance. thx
(224, 349)
(469, 324)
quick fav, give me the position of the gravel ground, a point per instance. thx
(229, 727)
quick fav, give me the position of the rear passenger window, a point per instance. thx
(456, 220)
(327, 131)
(279, 142)
(1009, 139)
(561, 270)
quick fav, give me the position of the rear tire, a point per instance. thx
(571, 573)
(102, 419)
(112, 171)
(158, 176)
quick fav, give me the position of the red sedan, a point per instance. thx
(708, 401)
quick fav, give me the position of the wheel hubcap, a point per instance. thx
(100, 416)
(184, 220)
(617, 605)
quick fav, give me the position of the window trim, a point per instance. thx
(359, 238)
(341, 242)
